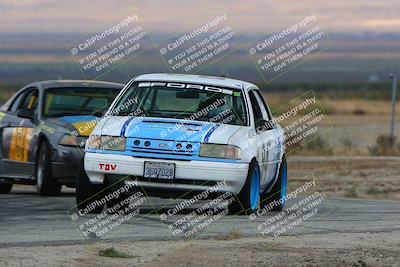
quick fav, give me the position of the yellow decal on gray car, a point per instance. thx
(19, 145)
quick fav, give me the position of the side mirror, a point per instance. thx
(264, 125)
(26, 113)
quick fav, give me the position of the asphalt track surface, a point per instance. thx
(27, 219)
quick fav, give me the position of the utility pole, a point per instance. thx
(394, 92)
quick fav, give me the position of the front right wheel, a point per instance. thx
(246, 202)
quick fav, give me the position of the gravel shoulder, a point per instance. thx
(345, 249)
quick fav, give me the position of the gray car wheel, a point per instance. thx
(46, 185)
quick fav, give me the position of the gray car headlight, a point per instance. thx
(220, 151)
(68, 140)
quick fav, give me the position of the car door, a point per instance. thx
(266, 138)
(17, 134)
(277, 140)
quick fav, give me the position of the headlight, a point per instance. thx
(105, 142)
(112, 143)
(68, 140)
(219, 151)
(93, 142)
(81, 140)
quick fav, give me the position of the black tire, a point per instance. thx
(111, 204)
(272, 199)
(87, 193)
(5, 188)
(241, 205)
(45, 183)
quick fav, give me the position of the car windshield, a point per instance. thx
(183, 101)
(78, 101)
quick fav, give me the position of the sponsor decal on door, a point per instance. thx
(19, 145)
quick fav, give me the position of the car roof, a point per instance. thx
(192, 78)
(75, 83)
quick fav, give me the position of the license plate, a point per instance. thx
(159, 170)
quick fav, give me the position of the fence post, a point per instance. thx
(394, 92)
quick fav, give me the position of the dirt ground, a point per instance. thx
(346, 249)
(355, 177)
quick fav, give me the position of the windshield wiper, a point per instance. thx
(161, 115)
(62, 114)
(125, 113)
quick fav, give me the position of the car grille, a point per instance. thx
(163, 147)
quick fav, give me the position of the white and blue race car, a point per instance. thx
(173, 134)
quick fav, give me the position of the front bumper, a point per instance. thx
(66, 163)
(192, 175)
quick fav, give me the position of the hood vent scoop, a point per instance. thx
(180, 122)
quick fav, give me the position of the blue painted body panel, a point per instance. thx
(165, 139)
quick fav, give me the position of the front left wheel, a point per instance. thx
(89, 196)
(117, 203)
(276, 198)
(45, 183)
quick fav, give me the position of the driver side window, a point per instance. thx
(30, 100)
(258, 116)
(17, 101)
(26, 100)
(264, 109)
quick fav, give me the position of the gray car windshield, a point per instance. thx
(78, 101)
(209, 104)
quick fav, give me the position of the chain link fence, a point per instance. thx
(359, 114)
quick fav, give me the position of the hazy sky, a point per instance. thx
(251, 16)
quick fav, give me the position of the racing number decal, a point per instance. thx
(107, 167)
(19, 145)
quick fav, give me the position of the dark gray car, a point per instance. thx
(43, 130)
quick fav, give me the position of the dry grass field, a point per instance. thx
(352, 177)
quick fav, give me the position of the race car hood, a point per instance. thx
(167, 129)
(81, 125)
